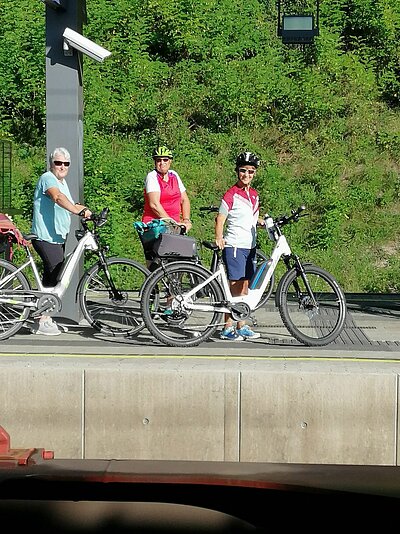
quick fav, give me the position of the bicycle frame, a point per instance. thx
(253, 297)
(87, 242)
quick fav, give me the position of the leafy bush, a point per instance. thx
(213, 79)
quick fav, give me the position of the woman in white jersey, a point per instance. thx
(239, 213)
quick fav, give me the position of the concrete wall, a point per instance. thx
(219, 415)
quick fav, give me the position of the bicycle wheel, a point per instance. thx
(115, 313)
(261, 258)
(12, 314)
(170, 321)
(313, 323)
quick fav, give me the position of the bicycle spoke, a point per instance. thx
(171, 321)
(114, 310)
(315, 319)
(12, 315)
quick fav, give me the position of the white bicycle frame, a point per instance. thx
(87, 242)
(253, 297)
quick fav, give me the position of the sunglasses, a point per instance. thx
(164, 160)
(58, 163)
(250, 171)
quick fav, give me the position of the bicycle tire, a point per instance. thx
(312, 325)
(261, 258)
(179, 327)
(110, 316)
(12, 319)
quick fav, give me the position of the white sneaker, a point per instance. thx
(48, 328)
(248, 333)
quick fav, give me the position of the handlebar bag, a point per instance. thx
(180, 246)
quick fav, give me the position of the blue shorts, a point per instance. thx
(240, 263)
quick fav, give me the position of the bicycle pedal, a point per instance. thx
(254, 321)
(43, 310)
(40, 311)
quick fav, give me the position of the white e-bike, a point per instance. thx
(108, 293)
(182, 313)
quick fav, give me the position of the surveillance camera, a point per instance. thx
(76, 40)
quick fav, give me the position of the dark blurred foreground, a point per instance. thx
(110, 496)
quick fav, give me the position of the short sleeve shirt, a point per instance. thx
(241, 209)
(50, 222)
(170, 194)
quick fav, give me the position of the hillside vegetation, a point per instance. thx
(210, 79)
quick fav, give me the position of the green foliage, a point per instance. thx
(22, 74)
(210, 79)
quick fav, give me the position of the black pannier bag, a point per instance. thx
(181, 246)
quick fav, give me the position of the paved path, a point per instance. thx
(372, 332)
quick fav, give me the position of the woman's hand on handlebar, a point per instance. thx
(187, 223)
(87, 213)
(84, 212)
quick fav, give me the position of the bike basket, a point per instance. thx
(170, 245)
(149, 232)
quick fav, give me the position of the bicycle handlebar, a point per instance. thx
(279, 221)
(173, 224)
(210, 209)
(296, 214)
(98, 219)
(101, 218)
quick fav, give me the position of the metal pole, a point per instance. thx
(64, 117)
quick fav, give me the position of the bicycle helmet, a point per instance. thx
(162, 151)
(247, 158)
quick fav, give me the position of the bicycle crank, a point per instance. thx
(48, 304)
(240, 311)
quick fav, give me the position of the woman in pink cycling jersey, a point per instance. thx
(239, 209)
(164, 193)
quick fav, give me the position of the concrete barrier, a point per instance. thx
(345, 416)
